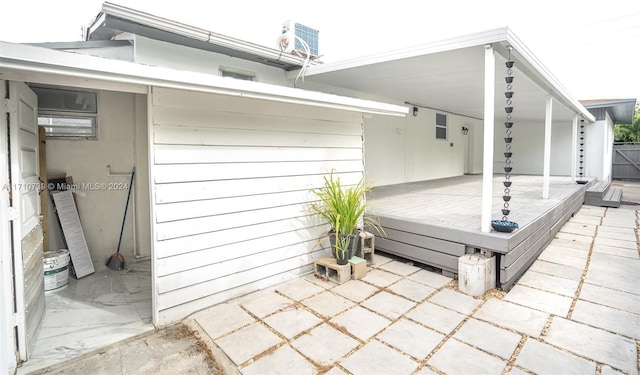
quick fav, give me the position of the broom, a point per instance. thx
(116, 261)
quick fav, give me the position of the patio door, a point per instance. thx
(24, 214)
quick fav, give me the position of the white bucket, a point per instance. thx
(56, 269)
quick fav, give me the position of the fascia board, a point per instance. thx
(543, 77)
(472, 40)
(196, 33)
(41, 60)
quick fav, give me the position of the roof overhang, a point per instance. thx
(41, 65)
(622, 111)
(449, 76)
(115, 19)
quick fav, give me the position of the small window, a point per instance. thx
(67, 113)
(237, 74)
(68, 126)
(441, 126)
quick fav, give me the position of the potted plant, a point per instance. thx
(343, 208)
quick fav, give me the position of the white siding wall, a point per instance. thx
(231, 179)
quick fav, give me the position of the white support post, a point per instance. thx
(487, 151)
(574, 148)
(547, 148)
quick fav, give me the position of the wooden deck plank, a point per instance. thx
(448, 211)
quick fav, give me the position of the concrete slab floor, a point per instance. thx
(405, 319)
(417, 321)
(173, 350)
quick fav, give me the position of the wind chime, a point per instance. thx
(504, 225)
(581, 181)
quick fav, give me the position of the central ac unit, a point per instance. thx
(294, 32)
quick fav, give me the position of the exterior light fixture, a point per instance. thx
(465, 130)
(415, 111)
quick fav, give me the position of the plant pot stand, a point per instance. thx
(329, 269)
(367, 248)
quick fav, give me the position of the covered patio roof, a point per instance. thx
(449, 76)
(620, 110)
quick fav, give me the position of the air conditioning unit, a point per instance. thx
(293, 32)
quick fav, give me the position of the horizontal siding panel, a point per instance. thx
(244, 248)
(183, 245)
(431, 243)
(422, 255)
(202, 290)
(214, 271)
(186, 154)
(231, 182)
(182, 228)
(205, 117)
(229, 137)
(173, 98)
(229, 171)
(193, 191)
(188, 210)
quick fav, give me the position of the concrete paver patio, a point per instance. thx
(576, 311)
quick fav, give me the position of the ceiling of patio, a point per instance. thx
(450, 80)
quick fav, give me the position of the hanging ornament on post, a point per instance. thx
(581, 181)
(504, 225)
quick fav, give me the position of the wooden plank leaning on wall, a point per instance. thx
(44, 195)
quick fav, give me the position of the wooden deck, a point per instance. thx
(435, 222)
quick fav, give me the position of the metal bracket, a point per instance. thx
(11, 105)
(16, 319)
(14, 214)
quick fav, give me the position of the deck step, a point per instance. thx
(601, 194)
(598, 189)
(613, 198)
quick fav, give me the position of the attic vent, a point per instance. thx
(237, 74)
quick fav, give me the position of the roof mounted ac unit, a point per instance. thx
(294, 33)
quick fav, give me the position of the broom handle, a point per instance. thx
(124, 219)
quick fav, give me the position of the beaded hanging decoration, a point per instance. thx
(504, 225)
(581, 181)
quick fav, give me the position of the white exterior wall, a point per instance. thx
(158, 53)
(607, 155)
(594, 152)
(599, 149)
(121, 121)
(405, 149)
(402, 150)
(528, 148)
(230, 180)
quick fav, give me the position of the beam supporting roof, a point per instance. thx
(27, 63)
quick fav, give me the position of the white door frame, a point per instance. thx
(8, 358)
